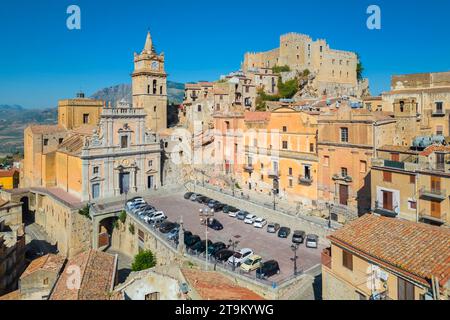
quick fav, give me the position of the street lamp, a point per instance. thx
(233, 244)
(205, 215)
(330, 208)
(294, 248)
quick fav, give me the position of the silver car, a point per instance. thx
(273, 227)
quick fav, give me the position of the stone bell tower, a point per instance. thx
(149, 81)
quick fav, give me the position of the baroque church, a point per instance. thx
(99, 151)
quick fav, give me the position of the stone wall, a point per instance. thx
(334, 288)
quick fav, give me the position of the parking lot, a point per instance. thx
(267, 245)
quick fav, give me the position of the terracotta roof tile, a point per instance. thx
(257, 116)
(47, 129)
(8, 173)
(49, 262)
(214, 286)
(415, 249)
(97, 272)
(433, 149)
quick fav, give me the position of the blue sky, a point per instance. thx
(42, 61)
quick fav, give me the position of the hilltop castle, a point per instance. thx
(335, 70)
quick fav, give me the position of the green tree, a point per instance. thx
(143, 260)
(131, 228)
(359, 69)
(123, 216)
(279, 69)
(85, 212)
(288, 89)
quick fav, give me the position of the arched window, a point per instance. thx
(160, 90)
(154, 86)
(148, 89)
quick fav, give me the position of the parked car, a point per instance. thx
(233, 214)
(268, 269)
(212, 203)
(273, 228)
(252, 263)
(239, 257)
(241, 215)
(194, 197)
(312, 241)
(201, 199)
(284, 232)
(187, 234)
(215, 224)
(168, 226)
(223, 255)
(200, 246)
(229, 209)
(135, 201)
(260, 223)
(218, 207)
(188, 195)
(298, 237)
(158, 217)
(216, 247)
(139, 207)
(191, 241)
(250, 219)
(173, 234)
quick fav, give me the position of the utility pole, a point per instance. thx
(294, 248)
(205, 215)
(233, 244)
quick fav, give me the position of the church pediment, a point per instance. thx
(97, 179)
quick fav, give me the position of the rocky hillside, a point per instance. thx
(123, 91)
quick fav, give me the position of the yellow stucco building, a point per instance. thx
(281, 154)
(73, 113)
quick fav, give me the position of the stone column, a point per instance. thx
(85, 180)
(116, 181)
(133, 179)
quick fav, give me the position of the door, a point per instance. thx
(395, 157)
(124, 182)
(150, 180)
(387, 201)
(436, 209)
(435, 184)
(343, 194)
(95, 191)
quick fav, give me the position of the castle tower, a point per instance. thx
(149, 81)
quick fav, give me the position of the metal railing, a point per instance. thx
(434, 193)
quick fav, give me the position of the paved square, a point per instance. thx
(267, 245)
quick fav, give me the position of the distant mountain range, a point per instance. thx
(175, 92)
(15, 118)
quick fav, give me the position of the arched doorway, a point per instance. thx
(27, 216)
(105, 231)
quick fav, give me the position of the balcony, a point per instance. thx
(326, 257)
(385, 212)
(305, 180)
(433, 218)
(436, 194)
(248, 168)
(273, 174)
(338, 177)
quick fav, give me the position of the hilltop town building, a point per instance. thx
(431, 92)
(347, 141)
(73, 113)
(381, 258)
